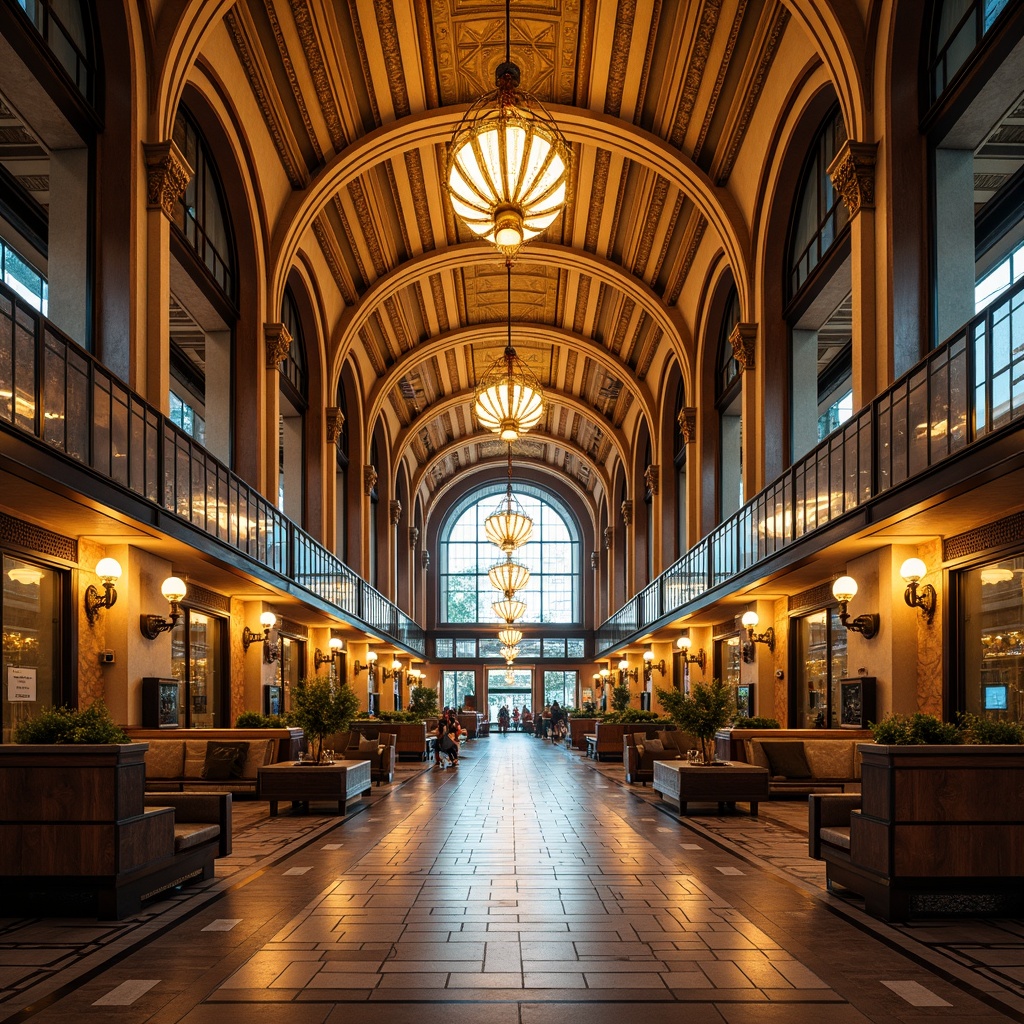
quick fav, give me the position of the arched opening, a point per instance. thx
(293, 404)
(729, 406)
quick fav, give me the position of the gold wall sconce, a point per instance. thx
(270, 651)
(109, 572)
(174, 591)
(334, 647)
(626, 673)
(844, 590)
(371, 661)
(917, 596)
(650, 665)
(749, 623)
(700, 659)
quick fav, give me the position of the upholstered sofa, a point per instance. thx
(180, 765)
(802, 766)
(412, 739)
(381, 750)
(641, 749)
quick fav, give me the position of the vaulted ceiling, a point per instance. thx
(655, 96)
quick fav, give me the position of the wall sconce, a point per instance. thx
(650, 665)
(918, 597)
(626, 673)
(109, 572)
(371, 660)
(603, 675)
(395, 672)
(270, 651)
(700, 659)
(334, 646)
(844, 590)
(749, 623)
(153, 625)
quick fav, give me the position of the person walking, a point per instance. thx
(515, 718)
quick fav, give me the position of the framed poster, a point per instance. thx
(160, 703)
(856, 702)
(273, 699)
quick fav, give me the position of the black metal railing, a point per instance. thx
(970, 386)
(55, 392)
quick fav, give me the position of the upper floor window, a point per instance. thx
(727, 368)
(64, 28)
(552, 556)
(201, 214)
(821, 215)
(293, 366)
(20, 276)
(960, 26)
(1004, 274)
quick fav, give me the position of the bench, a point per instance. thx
(640, 751)
(411, 738)
(190, 765)
(799, 766)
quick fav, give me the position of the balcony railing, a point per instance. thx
(968, 388)
(56, 393)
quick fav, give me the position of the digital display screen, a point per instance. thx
(995, 697)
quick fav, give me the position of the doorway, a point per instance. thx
(516, 691)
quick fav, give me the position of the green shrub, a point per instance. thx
(69, 725)
(620, 698)
(398, 716)
(707, 708)
(978, 729)
(423, 703)
(254, 720)
(902, 730)
(630, 716)
(756, 722)
(321, 708)
(589, 709)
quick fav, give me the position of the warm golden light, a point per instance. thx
(173, 589)
(913, 569)
(510, 609)
(508, 576)
(844, 588)
(510, 637)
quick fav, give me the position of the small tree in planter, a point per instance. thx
(620, 698)
(321, 708)
(423, 703)
(707, 708)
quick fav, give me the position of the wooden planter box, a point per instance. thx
(935, 821)
(578, 728)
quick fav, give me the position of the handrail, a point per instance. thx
(964, 390)
(58, 394)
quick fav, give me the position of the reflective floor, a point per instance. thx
(524, 886)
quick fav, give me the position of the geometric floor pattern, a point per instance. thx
(524, 887)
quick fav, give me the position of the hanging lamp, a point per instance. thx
(509, 609)
(508, 527)
(510, 637)
(509, 399)
(510, 654)
(508, 163)
(508, 576)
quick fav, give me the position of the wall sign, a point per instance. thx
(21, 684)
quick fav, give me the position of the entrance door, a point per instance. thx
(517, 693)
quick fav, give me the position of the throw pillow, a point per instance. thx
(224, 760)
(787, 758)
(655, 747)
(367, 746)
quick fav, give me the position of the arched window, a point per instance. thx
(679, 462)
(958, 29)
(820, 214)
(552, 556)
(294, 400)
(729, 403)
(201, 214)
(341, 479)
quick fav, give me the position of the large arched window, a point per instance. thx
(729, 403)
(552, 556)
(341, 449)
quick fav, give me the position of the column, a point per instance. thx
(744, 342)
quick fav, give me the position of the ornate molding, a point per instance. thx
(626, 508)
(651, 475)
(414, 536)
(608, 534)
(425, 560)
(369, 479)
(595, 560)
(394, 511)
(853, 175)
(35, 538)
(335, 421)
(278, 340)
(167, 176)
(743, 339)
(687, 420)
(992, 536)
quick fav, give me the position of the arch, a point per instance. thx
(496, 332)
(432, 128)
(458, 257)
(406, 434)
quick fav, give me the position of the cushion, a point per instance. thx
(165, 759)
(830, 759)
(835, 836)
(787, 758)
(224, 760)
(368, 746)
(261, 752)
(195, 758)
(188, 836)
(654, 747)
(639, 739)
(756, 754)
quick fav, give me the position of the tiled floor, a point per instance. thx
(522, 887)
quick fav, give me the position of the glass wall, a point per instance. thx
(992, 604)
(196, 659)
(820, 663)
(456, 686)
(560, 686)
(30, 642)
(513, 688)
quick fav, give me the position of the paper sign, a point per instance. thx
(21, 684)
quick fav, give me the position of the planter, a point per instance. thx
(935, 822)
(290, 739)
(578, 728)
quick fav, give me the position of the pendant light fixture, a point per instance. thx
(508, 527)
(509, 398)
(508, 576)
(509, 609)
(510, 637)
(508, 164)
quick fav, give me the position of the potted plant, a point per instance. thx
(321, 708)
(423, 703)
(701, 712)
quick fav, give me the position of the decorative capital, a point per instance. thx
(369, 479)
(595, 559)
(651, 474)
(278, 341)
(414, 536)
(425, 560)
(335, 421)
(627, 512)
(853, 175)
(687, 420)
(394, 511)
(608, 534)
(742, 340)
(167, 176)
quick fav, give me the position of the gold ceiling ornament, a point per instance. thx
(510, 637)
(509, 398)
(509, 609)
(508, 164)
(508, 526)
(508, 576)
